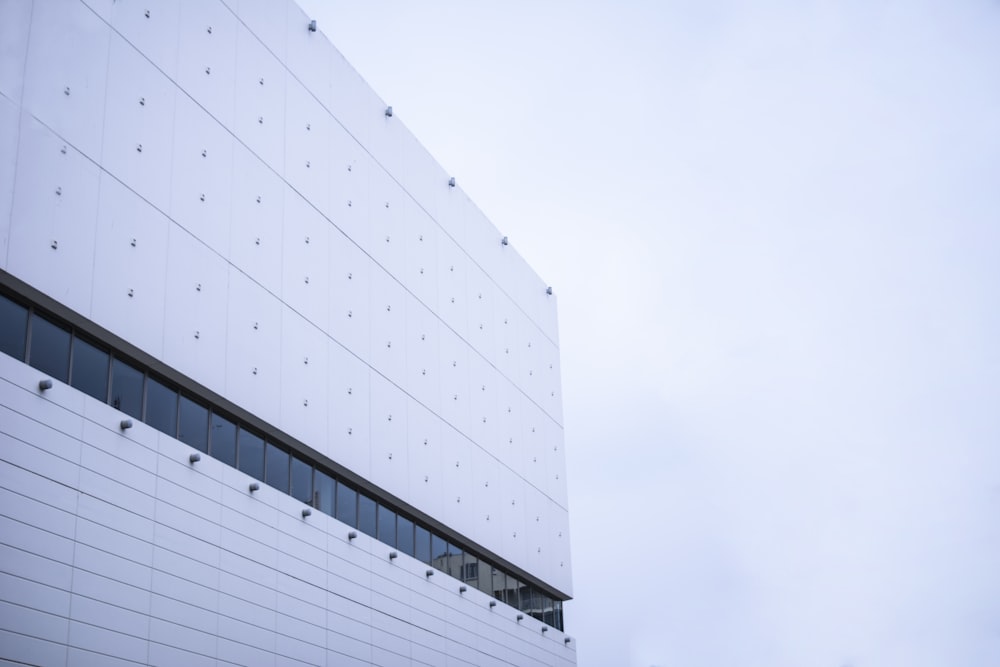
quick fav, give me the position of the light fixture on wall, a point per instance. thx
(504, 241)
(351, 535)
(125, 424)
(388, 112)
(194, 458)
(306, 512)
(451, 182)
(493, 603)
(548, 290)
(312, 26)
(462, 589)
(393, 555)
(519, 617)
(566, 640)
(545, 629)
(44, 384)
(254, 486)
(429, 573)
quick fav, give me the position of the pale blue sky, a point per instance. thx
(774, 231)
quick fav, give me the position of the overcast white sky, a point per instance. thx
(774, 231)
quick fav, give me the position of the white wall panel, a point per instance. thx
(139, 123)
(484, 419)
(485, 522)
(195, 322)
(423, 366)
(304, 369)
(305, 261)
(421, 239)
(454, 365)
(267, 20)
(452, 269)
(386, 239)
(206, 63)
(512, 515)
(260, 100)
(307, 146)
(152, 29)
(202, 193)
(508, 443)
(422, 177)
(389, 446)
(253, 370)
(347, 103)
(348, 418)
(350, 297)
(130, 266)
(309, 55)
(15, 17)
(425, 454)
(456, 485)
(65, 79)
(257, 216)
(9, 136)
(388, 325)
(53, 218)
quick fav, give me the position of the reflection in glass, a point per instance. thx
(161, 407)
(276, 468)
(486, 576)
(223, 439)
(347, 505)
(126, 388)
(13, 328)
(366, 514)
(50, 348)
(90, 369)
(422, 545)
(250, 458)
(193, 424)
(323, 490)
(301, 480)
(470, 570)
(439, 552)
(386, 525)
(404, 535)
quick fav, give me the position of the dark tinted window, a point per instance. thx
(439, 553)
(386, 525)
(325, 487)
(90, 369)
(455, 561)
(486, 577)
(161, 407)
(223, 439)
(404, 535)
(499, 586)
(470, 570)
(193, 424)
(302, 483)
(126, 388)
(277, 467)
(251, 455)
(347, 505)
(366, 514)
(422, 544)
(13, 328)
(50, 348)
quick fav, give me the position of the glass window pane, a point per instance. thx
(277, 467)
(455, 556)
(302, 480)
(251, 454)
(470, 570)
(366, 514)
(126, 388)
(324, 488)
(500, 586)
(13, 328)
(386, 525)
(50, 349)
(512, 592)
(223, 439)
(485, 576)
(547, 610)
(404, 535)
(161, 407)
(439, 552)
(347, 505)
(557, 605)
(422, 546)
(90, 370)
(193, 424)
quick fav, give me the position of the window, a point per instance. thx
(470, 570)
(250, 456)
(193, 427)
(422, 545)
(223, 439)
(13, 328)
(302, 482)
(90, 369)
(161, 407)
(386, 525)
(347, 505)
(404, 535)
(439, 552)
(126, 388)
(50, 348)
(324, 488)
(366, 514)
(276, 470)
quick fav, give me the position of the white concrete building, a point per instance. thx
(272, 389)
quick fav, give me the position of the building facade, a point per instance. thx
(272, 389)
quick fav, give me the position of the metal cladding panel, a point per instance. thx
(267, 20)
(454, 357)
(130, 267)
(152, 29)
(253, 370)
(423, 355)
(14, 17)
(9, 137)
(195, 322)
(350, 297)
(385, 136)
(257, 216)
(486, 498)
(206, 65)
(306, 260)
(139, 124)
(483, 392)
(452, 269)
(425, 458)
(512, 489)
(388, 326)
(53, 219)
(509, 445)
(387, 242)
(389, 460)
(304, 371)
(349, 169)
(307, 146)
(350, 409)
(507, 327)
(202, 193)
(64, 79)
(421, 175)
(457, 503)
(260, 100)
(351, 101)
(480, 293)
(309, 55)
(421, 239)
